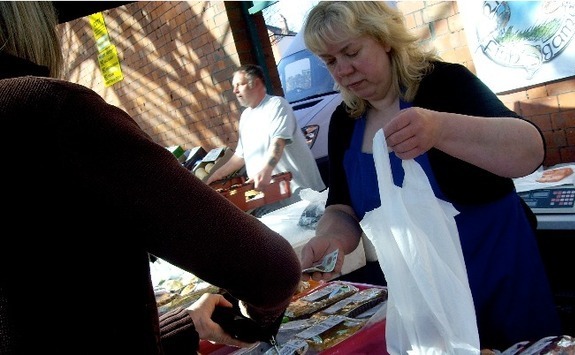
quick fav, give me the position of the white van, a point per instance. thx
(309, 88)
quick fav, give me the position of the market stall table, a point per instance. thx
(285, 221)
(555, 231)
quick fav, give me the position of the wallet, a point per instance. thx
(241, 327)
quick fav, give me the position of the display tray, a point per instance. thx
(243, 194)
(370, 339)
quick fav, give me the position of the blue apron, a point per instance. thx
(512, 297)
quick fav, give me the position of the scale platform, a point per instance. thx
(551, 200)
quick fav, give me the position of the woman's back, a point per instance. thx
(87, 196)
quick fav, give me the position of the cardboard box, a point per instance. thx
(214, 154)
(178, 152)
(215, 158)
(193, 156)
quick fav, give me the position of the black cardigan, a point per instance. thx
(448, 88)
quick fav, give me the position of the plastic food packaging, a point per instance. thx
(330, 331)
(326, 335)
(314, 210)
(356, 304)
(551, 345)
(319, 299)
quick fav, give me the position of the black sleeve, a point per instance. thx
(177, 333)
(453, 88)
(339, 138)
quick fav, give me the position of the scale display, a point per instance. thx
(557, 199)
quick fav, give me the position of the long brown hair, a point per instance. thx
(28, 31)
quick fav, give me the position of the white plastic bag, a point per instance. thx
(314, 210)
(430, 307)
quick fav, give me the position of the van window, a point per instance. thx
(298, 75)
(304, 76)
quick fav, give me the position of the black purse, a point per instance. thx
(243, 328)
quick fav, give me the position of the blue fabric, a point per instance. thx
(510, 304)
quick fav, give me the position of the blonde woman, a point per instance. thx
(467, 141)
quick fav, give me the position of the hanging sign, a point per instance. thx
(107, 52)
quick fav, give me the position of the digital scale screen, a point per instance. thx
(557, 199)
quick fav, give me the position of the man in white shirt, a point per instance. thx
(270, 141)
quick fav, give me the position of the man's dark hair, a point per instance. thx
(252, 71)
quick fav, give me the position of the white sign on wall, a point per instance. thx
(516, 44)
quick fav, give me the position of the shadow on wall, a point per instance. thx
(177, 76)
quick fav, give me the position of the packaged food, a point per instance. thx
(306, 287)
(357, 303)
(179, 300)
(555, 175)
(292, 347)
(331, 331)
(163, 296)
(303, 332)
(551, 345)
(319, 299)
(288, 330)
(516, 348)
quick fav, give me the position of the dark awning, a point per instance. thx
(71, 10)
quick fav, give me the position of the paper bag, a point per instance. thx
(430, 307)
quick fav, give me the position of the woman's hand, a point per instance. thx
(412, 132)
(338, 228)
(313, 253)
(505, 146)
(201, 314)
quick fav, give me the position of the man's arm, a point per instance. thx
(233, 164)
(274, 154)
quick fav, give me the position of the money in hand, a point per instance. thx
(327, 263)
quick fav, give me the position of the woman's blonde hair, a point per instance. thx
(28, 31)
(335, 21)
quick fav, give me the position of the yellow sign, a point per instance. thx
(107, 53)
(110, 65)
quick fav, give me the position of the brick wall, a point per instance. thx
(177, 59)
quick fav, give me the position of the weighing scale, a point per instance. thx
(551, 200)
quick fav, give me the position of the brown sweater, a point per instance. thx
(87, 196)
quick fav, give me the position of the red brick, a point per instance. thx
(440, 27)
(455, 23)
(410, 21)
(559, 138)
(568, 118)
(513, 96)
(567, 154)
(537, 92)
(449, 56)
(407, 7)
(561, 87)
(539, 106)
(542, 121)
(567, 100)
(441, 10)
(552, 157)
(570, 136)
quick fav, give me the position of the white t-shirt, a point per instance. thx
(274, 118)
